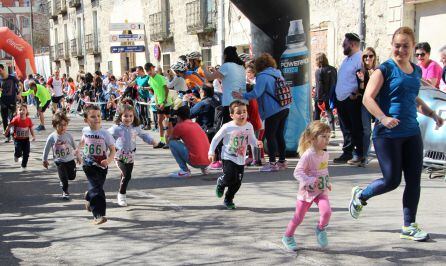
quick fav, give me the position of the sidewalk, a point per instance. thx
(181, 222)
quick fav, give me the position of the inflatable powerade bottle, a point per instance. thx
(295, 66)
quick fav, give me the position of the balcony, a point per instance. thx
(201, 16)
(74, 3)
(66, 50)
(52, 9)
(159, 27)
(53, 56)
(92, 44)
(59, 51)
(63, 7)
(76, 50)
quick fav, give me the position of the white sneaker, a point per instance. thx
(122, 200)
(180, 174)
(23, 169)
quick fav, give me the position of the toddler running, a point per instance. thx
(22, 125)
(93, 146)
(63, 147)
(236, 136)
(312, 174)
(125, 132)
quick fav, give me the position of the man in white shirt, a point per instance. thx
(349, 102)
(55, 85)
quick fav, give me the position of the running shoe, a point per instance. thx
(122, 200)
(269, 167)
(65, 196)
(217, 165)
(282, 165)
(413, 232)
(160, 145)
(219, 190)
(321, 236)
(229, 204)
(342, 159)
(99, 220)
(16, 159)
(357, 161)
(356, 205)
(204, 171)
(40, 128)
(180, 174)
(87, 203)
(289, 243)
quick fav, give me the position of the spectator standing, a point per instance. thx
(431, 69)
(348, 102)
(10, 88)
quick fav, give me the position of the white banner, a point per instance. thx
(126, 26)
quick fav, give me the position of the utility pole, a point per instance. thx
(362, 23)
(222, 28)
(32, 23)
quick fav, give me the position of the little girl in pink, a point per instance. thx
(312, 174)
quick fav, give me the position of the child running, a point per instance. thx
(236, 136)
(125, 132)
(312, 174)
(22, 127)
(63, 146)
(93, 146)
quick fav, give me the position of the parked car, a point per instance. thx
(434, 138)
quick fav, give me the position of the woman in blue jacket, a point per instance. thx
(273, 115)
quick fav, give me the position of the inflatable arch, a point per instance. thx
(19, 49)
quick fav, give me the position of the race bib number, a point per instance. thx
(22, 132)
(61, 150)
(126, 157)
(238, 143)
(323, 182)
(94, 147)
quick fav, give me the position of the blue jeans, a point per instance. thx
(181, 155)
(96, 196)
(366, 130)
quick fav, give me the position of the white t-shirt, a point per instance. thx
(57, 87)
(178, 84)
(217, 85)
(96, 144)
(347, 79)
(235, 141)
(234, 80)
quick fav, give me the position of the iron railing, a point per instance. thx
(201, 16)
(92, 44)
(74, 3)
(159, 27)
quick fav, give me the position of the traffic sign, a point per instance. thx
(126, 26)
(126, 37)
(127, 49)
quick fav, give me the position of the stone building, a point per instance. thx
(330, 20)
(80, 32)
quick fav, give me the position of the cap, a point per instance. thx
(296, 32)
(352, 37)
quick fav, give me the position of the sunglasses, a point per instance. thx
(420, 54)
(368, 56)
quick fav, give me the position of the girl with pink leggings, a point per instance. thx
(312, 174)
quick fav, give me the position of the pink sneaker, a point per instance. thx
(283, 165)
(269, 167)
(217, 165)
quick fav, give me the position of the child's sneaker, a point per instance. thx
(99, 220)
(217, 165)
(122, 200)
(65, 196)
(282, 165)
(269, 167)
(204, 171)
(180, 174)
(289, 243)
(356, 204)
(16, 159)
(219, 191)
(229, 205)
(87, 203)
(24, 169)
(321, 236)
(413, 232)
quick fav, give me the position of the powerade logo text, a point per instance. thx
(295, 69)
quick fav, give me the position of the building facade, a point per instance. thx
(80, 30)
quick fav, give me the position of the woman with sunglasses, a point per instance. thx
(368, 66)
(431, 69)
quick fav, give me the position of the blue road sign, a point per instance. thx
(127, 49)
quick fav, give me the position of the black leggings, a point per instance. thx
(274, 134)
(126, 175)
(397, 155)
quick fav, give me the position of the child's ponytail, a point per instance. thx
(304, 141)
(313, 130)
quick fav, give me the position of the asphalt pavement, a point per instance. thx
(181, 221)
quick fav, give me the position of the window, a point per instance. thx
(110, 66)
(25, 22)
(206, 54)
(166, 62)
